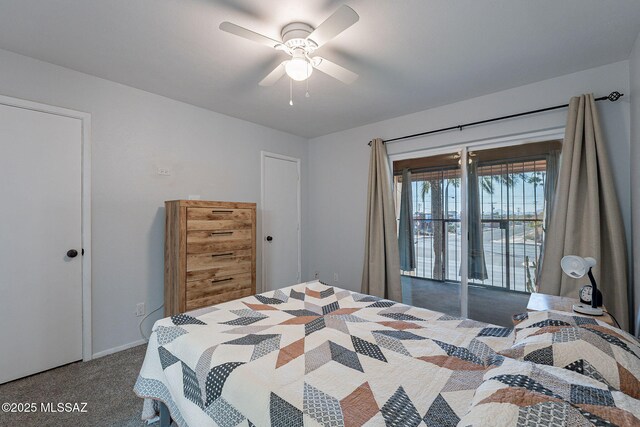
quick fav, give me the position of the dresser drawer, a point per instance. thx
(202, 293)
(219, 219)
(194, 304)
(218, 240)
(221, 271)
(218, 259)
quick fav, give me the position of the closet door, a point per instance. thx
(280, 221)
(40, 241)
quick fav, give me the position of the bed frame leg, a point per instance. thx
(165, 417)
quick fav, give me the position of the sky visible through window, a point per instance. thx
(521, 194)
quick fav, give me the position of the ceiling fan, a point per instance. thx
(300, 40)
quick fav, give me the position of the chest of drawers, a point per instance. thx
(210, 253)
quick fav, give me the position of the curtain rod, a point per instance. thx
(613, 96)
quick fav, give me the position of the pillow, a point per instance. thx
(530, 321)
(580, 344)
(555, 317)
(525, 394)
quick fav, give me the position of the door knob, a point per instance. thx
(269, 238)
(72, 253)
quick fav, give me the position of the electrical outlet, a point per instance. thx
(164, 171)
(335, 277)
(140, 309)
(316, 275)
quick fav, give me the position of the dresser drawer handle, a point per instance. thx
(227, 254)
(222, 280)
(222, 233)
(221, 212)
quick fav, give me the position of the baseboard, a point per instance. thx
(117, 349)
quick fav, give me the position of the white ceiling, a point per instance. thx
(411, 54)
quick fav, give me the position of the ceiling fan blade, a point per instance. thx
(248, 34)
(274, 76)
(341, 19)
(335, 70)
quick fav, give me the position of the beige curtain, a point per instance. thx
(381, 273)
(586, 218)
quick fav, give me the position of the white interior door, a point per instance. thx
(280, 221)
(40, 220)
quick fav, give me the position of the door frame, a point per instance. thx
(263, 156)
(85, 119)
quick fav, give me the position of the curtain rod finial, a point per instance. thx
(614, 96)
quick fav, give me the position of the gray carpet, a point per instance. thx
(106, 384)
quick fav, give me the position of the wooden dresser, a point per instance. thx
(209, 253)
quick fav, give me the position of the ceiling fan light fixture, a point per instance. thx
(299, 40)
(298, 69)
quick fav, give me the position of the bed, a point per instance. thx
(317, 355)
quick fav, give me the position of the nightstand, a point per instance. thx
(541, 302)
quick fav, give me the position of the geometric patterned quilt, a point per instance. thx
(517, 393)
(317, 355)
(580, 344)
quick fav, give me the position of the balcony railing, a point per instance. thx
(511, 251)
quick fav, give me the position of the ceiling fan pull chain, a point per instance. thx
(290, 91)
(306, 95)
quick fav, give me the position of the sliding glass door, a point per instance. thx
(512, 210)
(437, 199)
(437, 234)
(496, 199)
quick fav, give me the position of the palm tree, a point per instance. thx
(487, 184)
(453, 182)
(437, 226)
(424, 190)
(508, 179)
(535, 179)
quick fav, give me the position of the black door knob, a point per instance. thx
(72, 253)
(269, 238)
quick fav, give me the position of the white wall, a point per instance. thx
(634, 75)
(338, 163)
(218, 157)
(134, 133)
